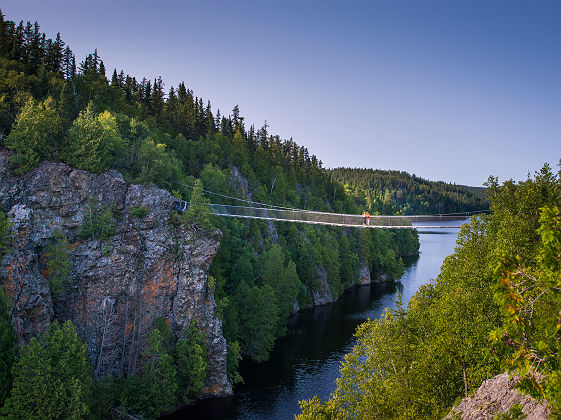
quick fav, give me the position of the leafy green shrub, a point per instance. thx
(98, 223)
(7, 349)
(59, 264)
(198, 213)
(138, 211)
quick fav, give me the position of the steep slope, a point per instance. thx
(391, 192)
(148, 267)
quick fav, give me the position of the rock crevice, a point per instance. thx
(149, 268)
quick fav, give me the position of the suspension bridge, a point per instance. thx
(263, 211)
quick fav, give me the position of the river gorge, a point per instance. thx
(306, 361)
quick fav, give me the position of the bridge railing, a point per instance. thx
(303, 216)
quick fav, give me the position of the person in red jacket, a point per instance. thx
(367, 218)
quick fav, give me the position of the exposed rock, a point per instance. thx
(149, 268)
(240, 183)
(323, 295)
(364, 273)
(498, 395)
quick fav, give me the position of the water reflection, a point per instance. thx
(306, 361)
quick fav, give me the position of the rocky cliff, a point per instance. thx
(498, 396)
(150, 267)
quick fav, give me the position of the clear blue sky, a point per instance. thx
(448, 90)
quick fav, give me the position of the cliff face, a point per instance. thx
(149, 268)
(497, 396)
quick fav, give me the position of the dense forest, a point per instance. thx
(53, 108)
(493, 308)
(395, 192)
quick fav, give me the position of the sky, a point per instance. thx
(448, 90)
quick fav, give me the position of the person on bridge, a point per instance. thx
(364, 218)
(367, 219)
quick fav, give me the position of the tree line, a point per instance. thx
(397, 192)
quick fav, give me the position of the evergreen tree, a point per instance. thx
(7, 349)
(155, 392)
(192, 365)
(5, 237)
(36, 134)
(198, 213)
(59, 264)
(52, 376)
(91, 139)
(283, 280)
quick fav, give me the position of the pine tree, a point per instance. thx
(198, 213)
(91, 139)
(36, 134)
(7, 349)
(52, 376)
(192, 364)
(115, 79)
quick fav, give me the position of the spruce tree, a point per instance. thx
(7, 349)
(198, 213)
(36, 134)
(52, 376)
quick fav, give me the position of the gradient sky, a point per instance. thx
(448, 90)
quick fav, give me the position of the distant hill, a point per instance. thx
(394, 192)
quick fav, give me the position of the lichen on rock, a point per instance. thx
(497, 396)
(148, 268)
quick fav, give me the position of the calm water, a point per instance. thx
(306, 362)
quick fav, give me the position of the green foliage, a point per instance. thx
(198, 214)
(139, 211)
(515, 413)
(391, 192)
(5, 237)
(52, 376)
(155, 391)
(59, 263)
(529, 341)
(192, 364)
(233, 362)
(259, 318)
(36, 134)
(91, 140)
(313, 409)
(415, 362)
(282, 279)
(98, 223)
(174, 372)
(7, 349)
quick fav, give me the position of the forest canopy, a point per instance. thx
(57, 109)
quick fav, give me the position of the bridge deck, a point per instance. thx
(324, 218)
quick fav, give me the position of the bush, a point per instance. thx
(7, 349)
(198, 213)
(139, 211)
(98, 223)
(59, 264)
(52, 376)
